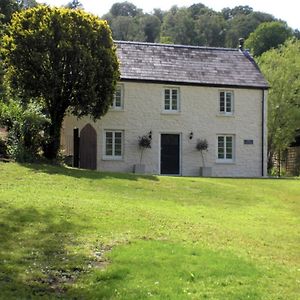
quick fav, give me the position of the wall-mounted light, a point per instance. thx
(191, 135)
(150, 134)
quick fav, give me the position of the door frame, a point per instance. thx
(180, 152)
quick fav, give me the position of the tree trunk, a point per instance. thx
(52, 144)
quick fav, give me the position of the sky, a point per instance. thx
(287, 10)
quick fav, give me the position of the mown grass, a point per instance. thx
(76, 234)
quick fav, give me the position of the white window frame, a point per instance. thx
(113, 156)
(225, 159)
(119, 87)
(170, 109)
(226, 111)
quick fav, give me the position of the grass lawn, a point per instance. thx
(75, 234)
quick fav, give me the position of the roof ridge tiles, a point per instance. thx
(176, 46)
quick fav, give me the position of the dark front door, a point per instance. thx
(88, 147)
(169, 154)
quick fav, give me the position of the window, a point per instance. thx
(171, 99)
(113, 144)
(226, 102)
(225, 148)
(118, 98)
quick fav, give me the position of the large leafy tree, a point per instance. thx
(178, 27)
(241, 25)
(8, 7)
(281, 68)
(65, 60)
(266, 36)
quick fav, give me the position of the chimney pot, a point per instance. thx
(241, 44)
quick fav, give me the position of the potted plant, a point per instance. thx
(144, 142)
(202, 146)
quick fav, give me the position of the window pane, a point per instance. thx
(167, 99)
(118, 150)
(174, 99)
(228, 102)
(229, 147)
(167, 104)
(117, 102)
(222, 102)
(174, 104)
(220, 147)
(118, 143)
(108, 144)
(167, 94)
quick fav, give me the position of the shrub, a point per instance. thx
(202, 145)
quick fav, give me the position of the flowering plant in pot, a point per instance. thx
(144, 142)
(202, 146)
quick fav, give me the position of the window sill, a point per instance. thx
(112, 158)
(225, 162)
(116, 109)
(225, 115)
(166, 112)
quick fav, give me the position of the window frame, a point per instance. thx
(170, 109)
(225, 148)
(225, 112)
(113, 106)
(113, 156)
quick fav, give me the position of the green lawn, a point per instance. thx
(75, 234)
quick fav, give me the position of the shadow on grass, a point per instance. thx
(83, 173)
(37, 257)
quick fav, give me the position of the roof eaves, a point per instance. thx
(195, 83)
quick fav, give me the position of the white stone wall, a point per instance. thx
(143, 112)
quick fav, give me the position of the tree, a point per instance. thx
(266, 36)
(74, 4)
(150, 27)
(125, 9)
(124, 28)
(178, 27)
(241, 25)
(8, 7)
(229, 13)
(210, 30)
(63, 59)
(281, 67)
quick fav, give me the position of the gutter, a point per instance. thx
(263, 133)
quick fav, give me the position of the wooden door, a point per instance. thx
(88, 147)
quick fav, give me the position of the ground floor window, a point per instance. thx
(225, 148)
(113, 141)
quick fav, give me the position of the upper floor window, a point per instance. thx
(226, 102)
(118, 98)
(113, 144)
(171, 99)
(225, 148)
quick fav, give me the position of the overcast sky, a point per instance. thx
(287, 10)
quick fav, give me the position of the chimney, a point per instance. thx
(241, 44)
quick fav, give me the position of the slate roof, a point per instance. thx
(179, 64)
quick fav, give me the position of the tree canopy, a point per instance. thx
(266, 36)
(281, 67)
(65, 60)
(193, 25)
(8, 7)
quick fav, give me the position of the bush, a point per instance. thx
(25, 129)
